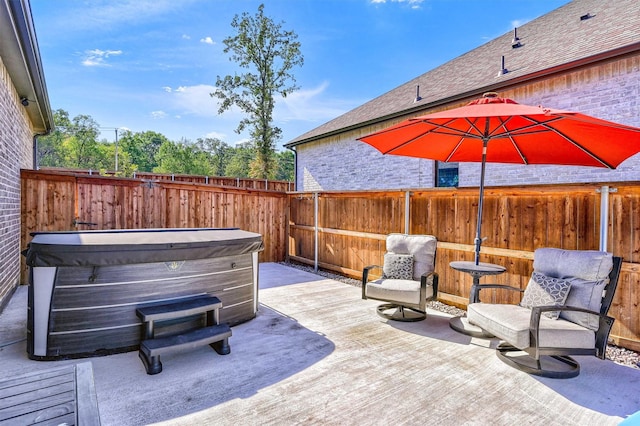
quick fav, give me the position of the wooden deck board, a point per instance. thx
(58, 396)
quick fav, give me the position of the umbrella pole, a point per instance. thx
(478, 239)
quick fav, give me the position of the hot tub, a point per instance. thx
(85, 286)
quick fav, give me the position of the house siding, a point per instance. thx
(15, 153)
(610, 91)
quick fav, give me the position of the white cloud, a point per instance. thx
(167, 89)
(186, 37)
(414, 4)
(158, 115)
(216, 135)
(123, 13)
(194, 100)
(312, 105)
(98, 57)
(207, 40)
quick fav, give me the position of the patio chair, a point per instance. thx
(563, 312)
(408, 279)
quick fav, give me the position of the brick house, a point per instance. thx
(583, 56)
(24, 113)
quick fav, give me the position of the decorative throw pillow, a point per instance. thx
(398, 266)
(543, 291)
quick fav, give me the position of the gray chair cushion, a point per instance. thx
(400, 291)
(398, 266)
(543, 291)
(588, 265)
(584, 294)
(587, 272)
(511, 324)
(422, 247)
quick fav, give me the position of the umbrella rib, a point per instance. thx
(452, 130)
(545, 124)
(513, 142)
(439, 129)
(463, 135)
(405, 143)
(574, 143)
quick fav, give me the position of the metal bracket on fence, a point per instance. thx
(149, 183)
(76, 222)
(604, 190)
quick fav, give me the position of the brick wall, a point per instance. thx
(610, 91)
(349, 164)
(15, 153)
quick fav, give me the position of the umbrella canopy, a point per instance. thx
(499, 130)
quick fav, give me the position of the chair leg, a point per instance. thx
(395, 312)
(552, 366)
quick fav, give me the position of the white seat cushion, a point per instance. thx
(511, 324)
(401, 291)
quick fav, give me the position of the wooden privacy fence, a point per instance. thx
(63, 202)
(346, 231)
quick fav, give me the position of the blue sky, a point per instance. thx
(151, 64)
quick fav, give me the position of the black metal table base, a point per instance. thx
(552, 366)
(400, 313)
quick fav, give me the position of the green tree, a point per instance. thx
(82, 149)
(268, 53)
(238, 165)
(182, 158)
(73, 144)
(220, 153)
(49, 152)
(286, 165)
(142, 148)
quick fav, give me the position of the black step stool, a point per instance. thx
(213, 333)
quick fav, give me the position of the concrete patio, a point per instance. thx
(318, 354)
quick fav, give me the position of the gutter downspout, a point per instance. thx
(295, 166)
(36, 163)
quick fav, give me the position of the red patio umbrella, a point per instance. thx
(499, 130)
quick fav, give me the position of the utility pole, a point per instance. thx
(116, 129)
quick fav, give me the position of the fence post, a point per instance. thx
(407, 212)
(315, 231)
(604, 214)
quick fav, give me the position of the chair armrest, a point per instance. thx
(602, 335)
(475, 296)
(423, 284)
(365, 277)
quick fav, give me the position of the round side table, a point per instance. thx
(460, 323)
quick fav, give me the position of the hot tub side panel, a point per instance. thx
(93, 309)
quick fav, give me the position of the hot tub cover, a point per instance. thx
(119, 247)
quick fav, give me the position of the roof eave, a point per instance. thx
(21, 57)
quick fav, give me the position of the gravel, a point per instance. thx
(617, 354)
